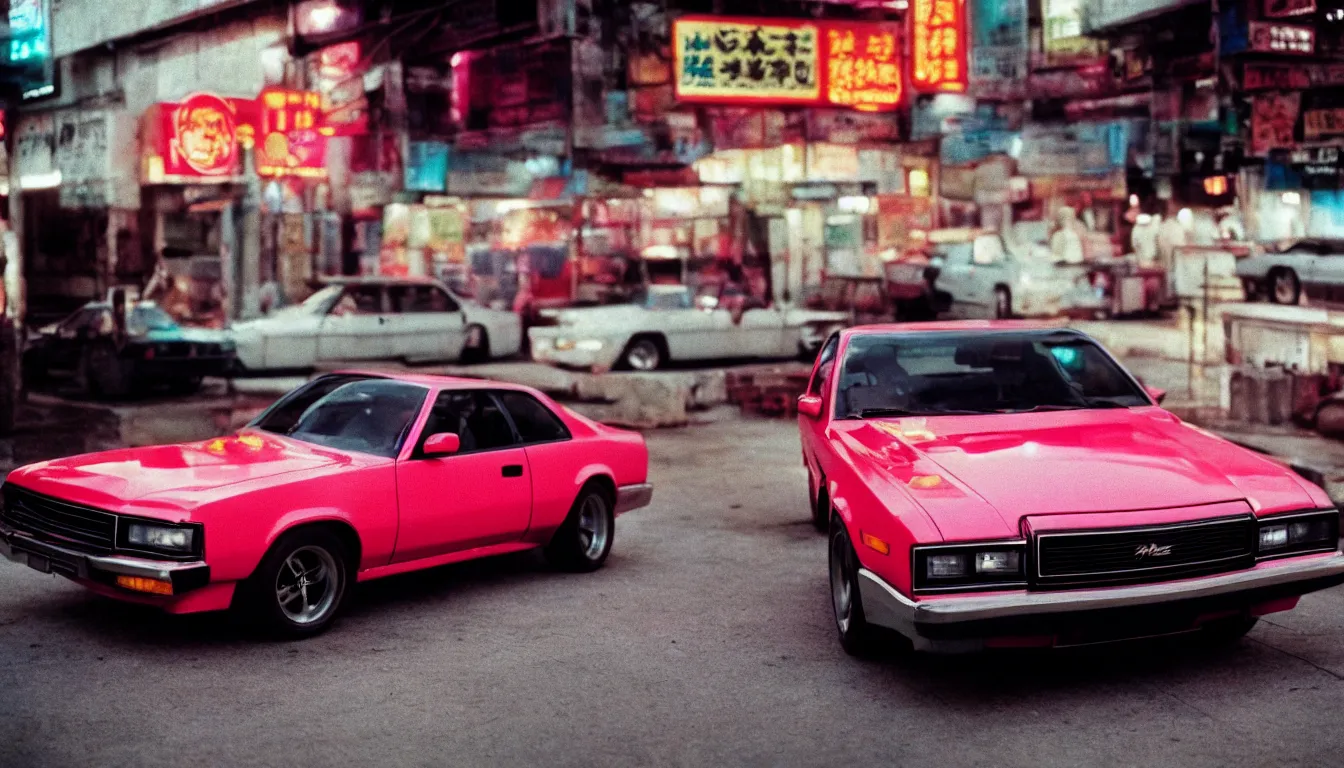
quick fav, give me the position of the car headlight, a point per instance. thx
(172, 539)
(589, 345)
(563, 344)
(963, 567)
(1298, 534)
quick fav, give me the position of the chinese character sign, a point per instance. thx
(854, 65)
(773, 61)
(290, 143)
(863, 66)
(938, 46)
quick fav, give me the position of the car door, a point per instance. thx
(764, 334)
(1324, 274)
(813, 430)
(478, 497)
(427, 323)
(356, 328)
(956, 277)
(552, 458)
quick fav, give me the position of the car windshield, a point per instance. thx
(147, 317)
(320, 302)
(956, 373)
(367, 417)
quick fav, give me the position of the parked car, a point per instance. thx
(349, 478)
(666, 323)
(111, 359)
(1004, 484)
(363, 319)
(1314, 266)
(984, 277)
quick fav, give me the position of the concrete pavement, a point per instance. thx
(707, 640)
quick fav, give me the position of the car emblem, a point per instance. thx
(1152, 550)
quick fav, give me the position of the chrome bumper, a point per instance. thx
(950, 621)
(50, 558)
(632, 497)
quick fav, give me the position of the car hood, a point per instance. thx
(171, 479)
(591, 316)
(993, 471)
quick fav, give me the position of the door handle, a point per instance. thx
(512, 470)
(382, 321)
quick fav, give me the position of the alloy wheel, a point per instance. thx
(1285, 288)
(308, 585)
(842, 589)
(594, 527)
(644, 356)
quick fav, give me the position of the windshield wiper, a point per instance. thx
(1096, 405)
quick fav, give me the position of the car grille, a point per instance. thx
(1145, 554)
(79, 527)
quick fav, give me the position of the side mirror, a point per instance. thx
(810, 406)
(445, 444)
(1158, 395)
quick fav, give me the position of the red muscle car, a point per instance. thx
(349, 478)
(1005, 485)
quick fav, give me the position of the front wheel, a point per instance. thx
(857, 636)
(477, 349)
(1003, 304)
(1285, 288)
(583, 542)
(300, 586)
(643, 354)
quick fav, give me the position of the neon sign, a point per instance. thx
(938, 50)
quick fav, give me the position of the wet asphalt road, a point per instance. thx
(706, 641)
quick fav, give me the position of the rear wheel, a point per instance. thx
(300, 586)
(1003, 303)
(583, 542)
(857, 636)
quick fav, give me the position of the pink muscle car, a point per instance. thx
(349, 478)
(1009, 485)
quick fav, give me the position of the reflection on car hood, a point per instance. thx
(174, 476)
(996, 469)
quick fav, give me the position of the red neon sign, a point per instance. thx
(288, 139)
(938, 46)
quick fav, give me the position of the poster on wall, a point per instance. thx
(427, 166)
(1065, 42)
(1273, 117)
(999, 49)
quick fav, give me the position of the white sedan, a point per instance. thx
(666, 325)
(365, 319)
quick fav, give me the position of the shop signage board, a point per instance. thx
(1278, 9)
(999, 53)
(968, 147)
(832, 162)
(1273, 117)
(1101, 14)
(288, 140)
(1293, 39)
(1275, 77)
(938, 46)
(845, 127)
(1064, 40)
(427, 166)
(1322, 123)
(729, 60)
(899, 215)
(198, 139)
(933, 116)
(340, 83)
(1084, 149)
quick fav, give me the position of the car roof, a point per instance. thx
(962, 326)
(380, 280)
(433, 381)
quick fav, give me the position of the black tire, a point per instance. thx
(1227, 631)
(261, 594)
(104, 373)
(1003, 303)
(857, 636)
(478, 345)
(583, 541)
(188, 385)
(644, 353)
(1284, 287)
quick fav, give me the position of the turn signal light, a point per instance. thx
(139, 584)
(876, 544)
(926, 482)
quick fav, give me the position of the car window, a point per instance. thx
(825, 364)
(147, 317)
(420, 298)
(281, 417)
(475, 417)
(958, 253)
(535, 422)
(81, 319)
(658, 300)
(370, 417)
(988, 251)
(360, 300)
(934, 374)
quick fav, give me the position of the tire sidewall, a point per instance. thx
(636, 344)
(566, 550)
(261, 600)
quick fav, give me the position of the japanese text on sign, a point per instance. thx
(1319, 123)
(939, 46)
(752, 61)
(863, 70)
